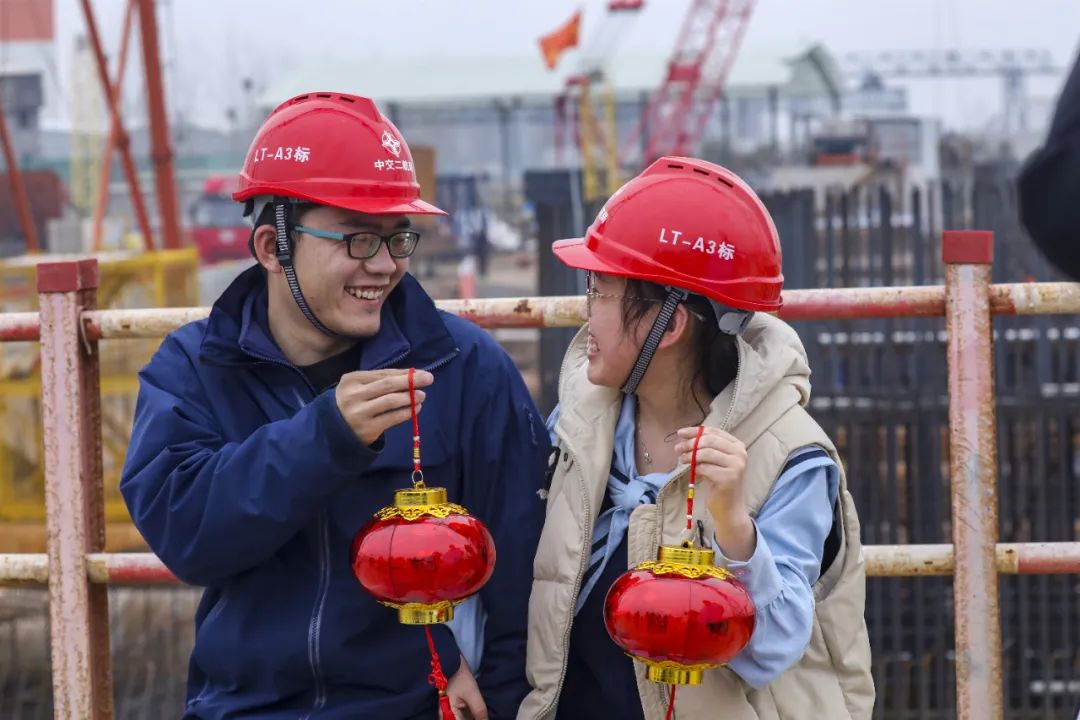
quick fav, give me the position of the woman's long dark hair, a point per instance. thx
(716, 358)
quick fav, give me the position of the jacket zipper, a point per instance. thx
(442, 362)
(280, 363)
(435, 365)
(735, 390)
(315, 624)
(658, 530)
(586, 542)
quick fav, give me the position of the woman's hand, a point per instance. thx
(721, 469)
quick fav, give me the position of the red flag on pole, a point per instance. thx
(559, 40)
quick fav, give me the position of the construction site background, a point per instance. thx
(859, 184)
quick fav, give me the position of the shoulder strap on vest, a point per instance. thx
(773, 445)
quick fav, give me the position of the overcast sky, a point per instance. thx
(211, 44)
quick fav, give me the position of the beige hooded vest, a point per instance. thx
(764, 408)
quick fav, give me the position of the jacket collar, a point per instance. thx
(238, 332)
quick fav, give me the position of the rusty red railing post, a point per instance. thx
(71, 408)
(968, 256)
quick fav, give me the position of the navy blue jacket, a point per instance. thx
(245, 481)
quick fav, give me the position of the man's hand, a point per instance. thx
(372, 401)
(464, 694)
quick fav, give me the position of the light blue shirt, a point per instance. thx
(627, 490)
(467, 627)
(791, 530)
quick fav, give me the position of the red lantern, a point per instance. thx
(679, 614)
(423, 555)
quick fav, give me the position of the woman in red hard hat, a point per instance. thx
(268, 434)
(683, 268)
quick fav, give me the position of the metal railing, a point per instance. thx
(77, 572)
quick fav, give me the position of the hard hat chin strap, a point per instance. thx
(285, 258)
(674, 297)
(730, 321)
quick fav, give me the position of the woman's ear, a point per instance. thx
(266, 248)
(678, 328)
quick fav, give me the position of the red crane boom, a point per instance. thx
(708, 43)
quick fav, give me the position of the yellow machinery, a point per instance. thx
(167, 278)
(594, 114)
(597, 143)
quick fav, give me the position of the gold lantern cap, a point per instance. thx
(689, 562)
(685, 555)
(417, 497)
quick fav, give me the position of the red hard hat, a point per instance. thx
(333, 149)
(689, 224)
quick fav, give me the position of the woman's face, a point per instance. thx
(613, 348)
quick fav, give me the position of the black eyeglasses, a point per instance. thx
(365, 244)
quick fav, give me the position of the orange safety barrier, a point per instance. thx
(78, 573)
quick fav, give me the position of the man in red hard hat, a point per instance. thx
(267, 434)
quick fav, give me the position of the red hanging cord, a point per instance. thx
(690, 527)
(692, 482)
(437, 679)
(671, 704)
(418, 474)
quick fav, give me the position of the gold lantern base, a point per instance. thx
(423, 613)
(672, 673)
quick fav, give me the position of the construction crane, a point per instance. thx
(1013, 66)
(576, 110)
(678, 111)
